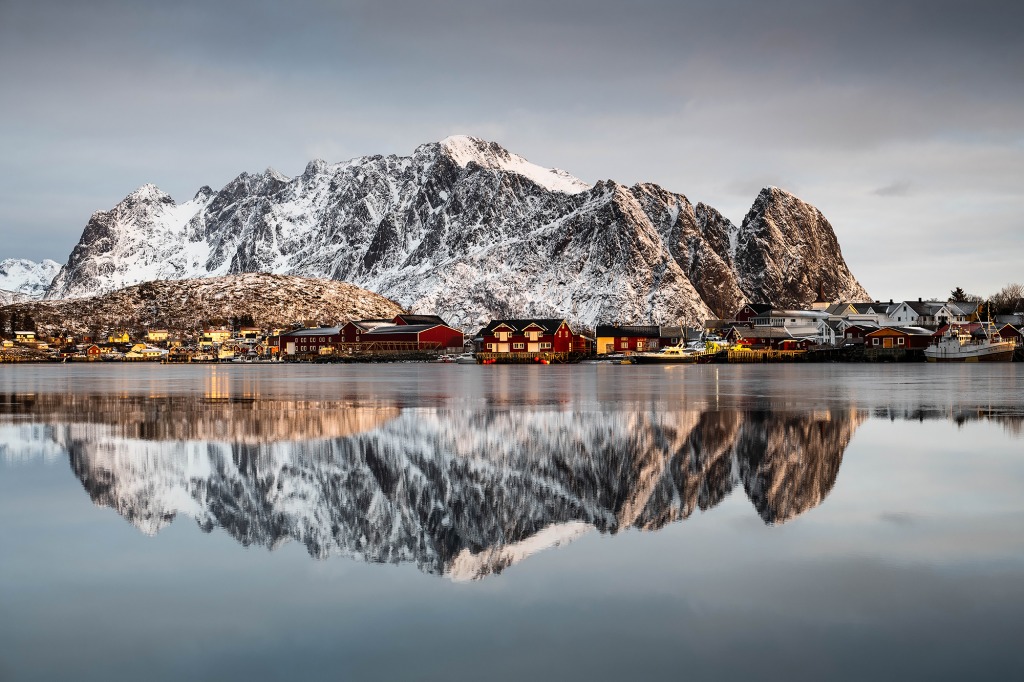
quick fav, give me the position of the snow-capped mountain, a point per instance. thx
(456, 491)
(180, 305)
(22, 279)
(470, 231)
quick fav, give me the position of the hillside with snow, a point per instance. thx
(468, 230)
(22, 279)
(182, 305)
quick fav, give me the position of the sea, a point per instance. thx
(511, 522)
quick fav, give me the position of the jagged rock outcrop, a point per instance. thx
(470, 231)
(781, 248)
(180, 305)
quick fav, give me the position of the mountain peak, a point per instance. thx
(148, 192)
(464, 149)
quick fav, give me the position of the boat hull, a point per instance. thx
(655, 359)
(994, 353)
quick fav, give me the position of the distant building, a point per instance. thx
(612, 338)
(899, 337)
(156, 335)
(531, 335)
(308, 341)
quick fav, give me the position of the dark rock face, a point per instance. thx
(786, 250)
(470, 231)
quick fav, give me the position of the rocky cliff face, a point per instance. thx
(468, 230)
(786, 250)
(180, 305)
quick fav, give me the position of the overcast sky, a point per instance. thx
(902, 121)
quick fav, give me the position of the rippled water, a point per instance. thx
(509, 522)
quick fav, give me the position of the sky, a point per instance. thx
(902, 121)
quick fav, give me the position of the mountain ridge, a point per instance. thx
(469, 230)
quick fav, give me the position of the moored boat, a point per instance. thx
(667, 355)
(956, 345)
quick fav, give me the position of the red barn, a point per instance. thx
(307, 341)
(417, 319)
(430, 336)
(528, 336)
(353, 331)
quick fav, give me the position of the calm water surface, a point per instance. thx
(511, 522)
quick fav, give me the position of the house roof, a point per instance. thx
(648, 332)
(766, 333)
(401, 329)
(758, 308)
(925, 308)
(319, 331)
(421, 319)
(372, 324)
(867, 307)
(967, 307)
(549, 325)
(907, 331)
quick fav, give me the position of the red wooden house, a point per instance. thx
(775, 338)
(1010, 333)
(751, 310)
(534, 335)
(307, 341)
(899, 337)
(855, 333)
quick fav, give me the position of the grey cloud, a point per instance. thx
(714, 100)
(900, 188)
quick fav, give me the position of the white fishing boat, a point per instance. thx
(666, 356)
(956, 345)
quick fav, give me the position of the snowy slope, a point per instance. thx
(179, 305)
(26, 278)
(461, 227)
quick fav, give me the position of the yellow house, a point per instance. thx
(156, 335)
(211, 337)
(6, 343)
(24, 336)
(216, 335)
(141, 351)
(120, 336)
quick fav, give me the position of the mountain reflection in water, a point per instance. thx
(462, 491)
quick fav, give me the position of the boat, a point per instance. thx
(956, 345)
(465, 359)
(666, 356)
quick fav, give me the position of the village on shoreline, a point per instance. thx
(856, 332)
